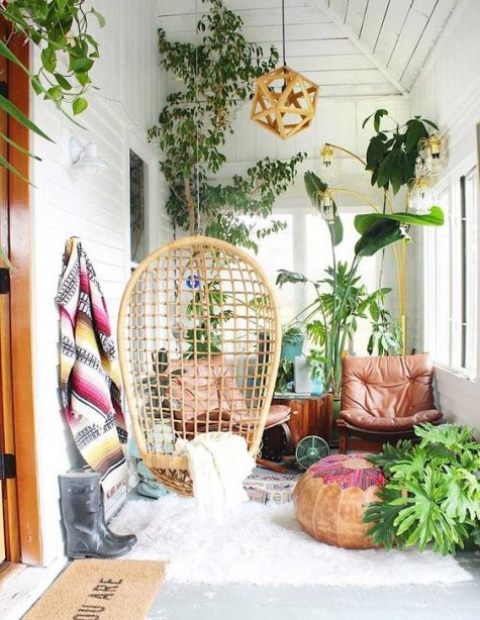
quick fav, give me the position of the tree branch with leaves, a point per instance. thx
(217, 75)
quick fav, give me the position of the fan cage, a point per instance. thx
(199, 344)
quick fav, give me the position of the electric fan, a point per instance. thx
(310, 450)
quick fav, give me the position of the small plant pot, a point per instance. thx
(292, 348)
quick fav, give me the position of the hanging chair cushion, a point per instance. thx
(193, 389)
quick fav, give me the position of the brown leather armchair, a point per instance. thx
(383, 398)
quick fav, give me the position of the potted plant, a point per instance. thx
(217, 74)
(293, 337)
(432, 494)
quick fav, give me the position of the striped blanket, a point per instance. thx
(90, 376)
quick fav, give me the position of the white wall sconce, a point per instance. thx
(86, 157)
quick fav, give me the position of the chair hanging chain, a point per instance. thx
(197, 173)
(283, 34)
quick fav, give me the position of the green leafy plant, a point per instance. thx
(217, 76)
(392, 153)
(203, 336)
(340, 298)
(60, 29)
(284, 376)
(432, 494)
(331, 320)
(68, 53)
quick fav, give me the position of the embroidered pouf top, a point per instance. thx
(348, 470)
(331, 496)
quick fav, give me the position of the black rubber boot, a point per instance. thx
(87, 534)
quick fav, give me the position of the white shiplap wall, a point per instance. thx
(448, 92)
(96, 209)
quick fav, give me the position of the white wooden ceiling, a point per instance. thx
(349, 47)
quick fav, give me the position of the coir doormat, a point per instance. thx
(101, 590)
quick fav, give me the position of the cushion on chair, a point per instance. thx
(364, 420)
(389, 387)
(277, 414)
(194, 385)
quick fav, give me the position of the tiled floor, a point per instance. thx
(188, 602)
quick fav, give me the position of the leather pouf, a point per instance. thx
(330, 499)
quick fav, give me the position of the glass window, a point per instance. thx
(451, 272)
(276, 252)
(138, 232)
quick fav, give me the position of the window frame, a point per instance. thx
(461, 320)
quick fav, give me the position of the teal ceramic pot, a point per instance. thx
(292, 348)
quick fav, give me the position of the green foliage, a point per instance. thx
(332, 318)
(378, 230)
(315, 187)
(60, 28)
(203, 336)
(284, 376)
(391, 154)
(217, 75)
(432, 495)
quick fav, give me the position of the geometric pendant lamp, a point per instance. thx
(284, 100)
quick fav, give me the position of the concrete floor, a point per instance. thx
(230, 602)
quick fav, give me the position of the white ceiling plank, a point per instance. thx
(272, 34)
(340, 7)
(323, 6)
(374, 16)
(331, 78)
(433, 30)
(391, 28)
(250, 17)
(425, 7)
(411, 34)
(329, 62)
(316, 47)
(357, 90)
(176, 7)
(356, 15)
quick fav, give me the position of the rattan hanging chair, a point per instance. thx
(199, 344)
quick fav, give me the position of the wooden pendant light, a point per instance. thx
(284, 102)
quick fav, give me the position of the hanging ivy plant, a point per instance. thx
(60, 28)
(392, 153)
(217, 75)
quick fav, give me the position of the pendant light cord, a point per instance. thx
(283, 34)
(197, 172)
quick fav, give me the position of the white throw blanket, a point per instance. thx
(219, 463)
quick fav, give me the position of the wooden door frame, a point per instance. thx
(25, 543)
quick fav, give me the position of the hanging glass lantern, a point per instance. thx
(326, 206)
(328, 163)
(284, 101)
(433, 155)
(420, 199)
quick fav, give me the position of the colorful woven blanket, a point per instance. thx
(90, 376)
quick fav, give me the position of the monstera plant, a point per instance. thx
(432, 494)
(340, 298)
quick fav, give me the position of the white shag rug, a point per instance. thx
(264, 545)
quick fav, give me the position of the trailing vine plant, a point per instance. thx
(68, 53)
(217, 74)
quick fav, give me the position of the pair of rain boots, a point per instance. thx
(87, 534)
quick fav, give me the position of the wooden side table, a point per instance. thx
(311, 415)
